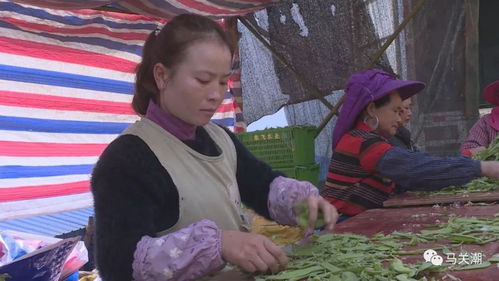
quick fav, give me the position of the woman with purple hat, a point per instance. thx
(486, 129)
(365, 167)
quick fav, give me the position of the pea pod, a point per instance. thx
(474, 266)
(296, 274)
(399, 266)
(460, 238)
(423, 266)
(349, 276)
(331, 268)
(301, 209)
(404, 277)
(494, 258)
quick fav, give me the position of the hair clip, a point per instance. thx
(158, 28)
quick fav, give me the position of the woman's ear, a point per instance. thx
(161, 74)
(371, 109)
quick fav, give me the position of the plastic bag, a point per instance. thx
(14, 244)
(13, 247)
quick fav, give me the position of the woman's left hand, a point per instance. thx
(316, 203)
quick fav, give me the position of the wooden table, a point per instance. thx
(404, 220)
(413, 199)
(230, 276)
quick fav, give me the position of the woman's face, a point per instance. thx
(388, 115)
(194, 88)
(406, 112)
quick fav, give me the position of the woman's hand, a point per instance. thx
(474, 151)
(490, 169)
(316, 203)
(252, 252)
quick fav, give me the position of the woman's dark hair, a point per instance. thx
(169, 47)
(382, 101)
(377, 103)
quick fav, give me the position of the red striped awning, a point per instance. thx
(66, 83)
(162, 8)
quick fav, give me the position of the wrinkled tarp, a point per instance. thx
(325, 41)
(165, 9)
(261, 92)
(443, 45)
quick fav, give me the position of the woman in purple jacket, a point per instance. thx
(168, 190)
(485, 130)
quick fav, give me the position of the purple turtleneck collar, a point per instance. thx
(173, 125)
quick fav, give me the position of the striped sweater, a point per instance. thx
(481, 134)
(352, 184)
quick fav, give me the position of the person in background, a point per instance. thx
(486, 129)
(365, 167)
(168, 191)
(402, 137)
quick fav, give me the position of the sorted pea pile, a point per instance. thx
(477, 185)
(491, 153)
(348, 257)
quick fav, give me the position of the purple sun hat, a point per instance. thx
(364, 87)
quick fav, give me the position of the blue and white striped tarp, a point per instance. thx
(66, 83)
(163, 8)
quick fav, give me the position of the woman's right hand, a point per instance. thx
(474, 151)
(490, 169)
(252, 252)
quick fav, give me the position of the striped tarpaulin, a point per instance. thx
(163, 8)
(66, 83)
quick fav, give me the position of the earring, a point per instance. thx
(375, 125)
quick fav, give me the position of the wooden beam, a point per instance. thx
(471, 59)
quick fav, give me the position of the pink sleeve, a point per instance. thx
(187, 254)
(284, 192)
(478, 135)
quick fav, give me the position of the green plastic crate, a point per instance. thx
(304, 173)
(282, 147)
